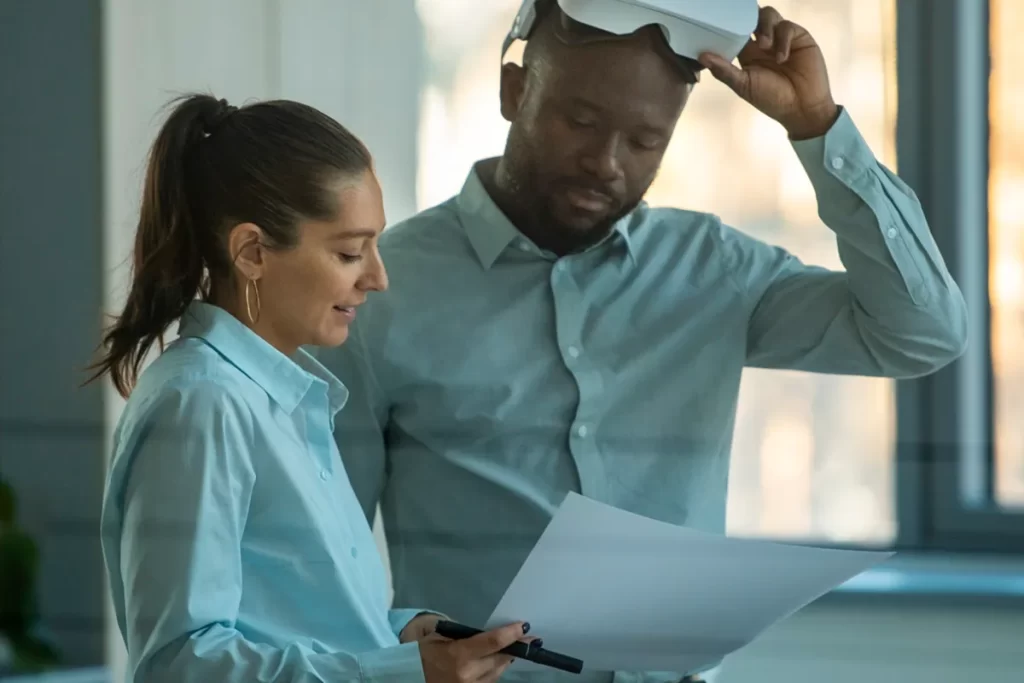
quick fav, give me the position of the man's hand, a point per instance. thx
(421, 626)
(782, 73)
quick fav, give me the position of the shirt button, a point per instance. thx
(838, 163)
(355, 553)
(325, 475)
(891, 232)
(582, 431)
(573, 352)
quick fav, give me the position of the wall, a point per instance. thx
(51, 433)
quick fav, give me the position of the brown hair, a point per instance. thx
(211, 167)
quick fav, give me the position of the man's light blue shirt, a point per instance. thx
(492, 377)
(235, 548)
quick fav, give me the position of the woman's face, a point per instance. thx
(308, 294)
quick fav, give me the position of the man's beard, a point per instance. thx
(573, 239)
(536, 195)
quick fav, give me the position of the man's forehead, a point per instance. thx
(642, 114)
(636, 99)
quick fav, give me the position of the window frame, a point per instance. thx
(945, 422)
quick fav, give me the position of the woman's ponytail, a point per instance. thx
(168, 263)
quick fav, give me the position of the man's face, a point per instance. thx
(590, 125)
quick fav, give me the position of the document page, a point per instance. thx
(624, 592)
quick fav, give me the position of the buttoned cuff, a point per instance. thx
(401, 663)
(840, 155)
(400, 618)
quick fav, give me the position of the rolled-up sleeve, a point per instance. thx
(184, 487)
(895, 311)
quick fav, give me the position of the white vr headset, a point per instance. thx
(691, 27)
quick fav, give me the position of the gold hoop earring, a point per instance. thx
(248, 301)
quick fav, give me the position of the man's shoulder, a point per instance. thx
(696, 245)
(685, 228)
(655, 230)
(437, 229)
(674, 217)
(420, 253)
(424, 250)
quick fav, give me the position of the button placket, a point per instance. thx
(570, 311)
(320, 441)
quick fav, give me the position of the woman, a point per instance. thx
(235, 547)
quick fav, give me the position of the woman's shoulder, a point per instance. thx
(189, 404)
(190, 377)
(186, 361)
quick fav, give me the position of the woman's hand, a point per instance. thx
(473, 660)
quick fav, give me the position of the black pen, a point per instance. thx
(529, 651)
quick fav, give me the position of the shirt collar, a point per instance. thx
(491, 232)
(286, 380)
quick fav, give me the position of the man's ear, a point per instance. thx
(513, 87)
(245, 246)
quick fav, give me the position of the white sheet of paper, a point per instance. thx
(624, 592)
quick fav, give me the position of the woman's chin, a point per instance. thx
(336, 336)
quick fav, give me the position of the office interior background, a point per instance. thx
(933, 467)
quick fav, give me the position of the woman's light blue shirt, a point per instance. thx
(235, 547)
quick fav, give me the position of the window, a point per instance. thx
(814, 455)
(959, 442)
(1006, 248)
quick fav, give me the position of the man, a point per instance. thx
(545, 331)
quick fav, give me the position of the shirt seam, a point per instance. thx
(920, 298)
(729, 267)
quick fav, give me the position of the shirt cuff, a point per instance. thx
(400, 618)
(390, 664)
(841, 154)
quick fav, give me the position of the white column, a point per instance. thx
(363, 63)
